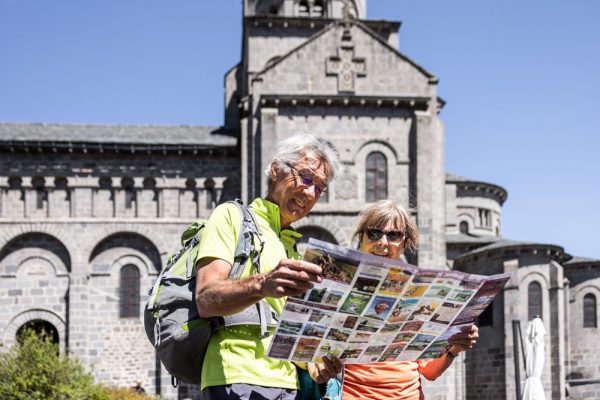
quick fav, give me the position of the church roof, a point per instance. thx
(556, 251)
(581, 260)
(470, 187)
(365, 27)
(202, 136)
(463, 238)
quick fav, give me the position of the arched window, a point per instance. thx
(464, 227)
(534, 300)
(589, 311)
(129, 290)
(376, 177)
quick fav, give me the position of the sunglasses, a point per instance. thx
(374, 234)
(307, 179)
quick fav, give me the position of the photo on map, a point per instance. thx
(355, 303)
(306, 349)
(290, 328)
(339, 335)
(446, 313)
(438, 292)
(314, 330)
(335, 268)
(392, 352)
(414, 291)
(380, 307)
(366, 284)
(394, 281)
(282, 345)
(403, 310)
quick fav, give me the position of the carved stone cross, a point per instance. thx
(346, 66)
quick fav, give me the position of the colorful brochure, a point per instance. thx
(371, 309)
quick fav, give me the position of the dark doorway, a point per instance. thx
(40, 327)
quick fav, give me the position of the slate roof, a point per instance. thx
(462, 238)
(581, 260)
(504, 243)
(209, 136)
(496, 190)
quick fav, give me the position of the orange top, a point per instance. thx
(387, 380)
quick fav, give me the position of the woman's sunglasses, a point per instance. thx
(375, 234)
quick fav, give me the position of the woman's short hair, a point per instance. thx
(381, 213)
(291, 150)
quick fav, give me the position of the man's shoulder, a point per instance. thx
(226, 211)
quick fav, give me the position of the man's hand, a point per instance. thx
(289, 278)
(323, 372)
(465, 339)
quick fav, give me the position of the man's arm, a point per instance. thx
(216, 295)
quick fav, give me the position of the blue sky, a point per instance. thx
(521, 80)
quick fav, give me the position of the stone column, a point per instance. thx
(81, 199)
(556, 350)
(269, 141)
(430, 185)
(512, 310)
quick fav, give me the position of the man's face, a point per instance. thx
(289, 191)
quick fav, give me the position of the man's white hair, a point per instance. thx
(291, 150)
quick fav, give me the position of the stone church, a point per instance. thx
(89, 213)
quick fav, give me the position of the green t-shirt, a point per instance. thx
(237, 354)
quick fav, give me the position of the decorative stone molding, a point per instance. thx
(10, 332)
(346, 187)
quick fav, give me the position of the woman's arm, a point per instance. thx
(459, 342)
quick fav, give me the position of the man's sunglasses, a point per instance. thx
(374, 234)
(307, 179)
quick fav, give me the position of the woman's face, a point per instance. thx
(383, 246)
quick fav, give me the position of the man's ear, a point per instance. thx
(274, 171)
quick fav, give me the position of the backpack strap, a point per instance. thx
(261, 312)
(245, 245)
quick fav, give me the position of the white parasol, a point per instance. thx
(534, 361)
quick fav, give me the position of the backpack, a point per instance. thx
(173, 326)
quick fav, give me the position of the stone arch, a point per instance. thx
(141, 261)
(131, 240)
(152, 236)
(311, 8)
(540, 275)
(316, 232)
(360, 160)
(464, 217)
(268, 7)
(313, 231)
(10, 332)
(39, 326)
(319, 222)
(42, 241)
(578, 294)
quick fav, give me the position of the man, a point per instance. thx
(235, 366)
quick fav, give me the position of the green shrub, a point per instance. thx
(34, 369)
(125, 394)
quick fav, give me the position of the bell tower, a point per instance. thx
(330, 9)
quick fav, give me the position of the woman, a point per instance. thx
(386, 229)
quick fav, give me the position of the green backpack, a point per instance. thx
(173, 326)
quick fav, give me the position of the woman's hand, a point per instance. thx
(464, 340)
(323, 372)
